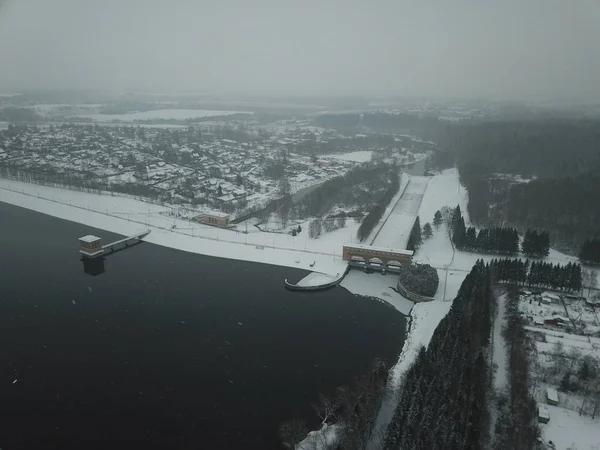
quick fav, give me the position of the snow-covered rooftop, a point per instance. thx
(89, 238)
(217, 214)
(552, 395)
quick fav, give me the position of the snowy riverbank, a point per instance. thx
(127, 216)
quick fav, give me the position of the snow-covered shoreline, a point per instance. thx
(126, 216)
(47, 202)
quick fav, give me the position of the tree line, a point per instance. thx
(536, 243)
(516, 424)
(563, 197)
(318, 226)
(590, 252)
(539, 273)
(376, 212)
(499, 240)
(443, 402)
(89, 184)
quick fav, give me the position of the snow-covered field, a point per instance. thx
(175, 114)
(360, 157)
(395, 232)
(568, 430)
(443, 190)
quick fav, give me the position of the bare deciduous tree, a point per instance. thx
(327, 408)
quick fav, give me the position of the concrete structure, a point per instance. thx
(90, 246)
(413, 296)
(552, 396)
(216, 219)
(371, 255)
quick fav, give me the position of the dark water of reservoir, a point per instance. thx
(166, 349)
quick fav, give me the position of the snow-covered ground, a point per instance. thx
(395, 232)
(570, 431)
(316, 279)
(378, 286)
(360, 156)
(167, 114)
(319, 439)
(443, 190)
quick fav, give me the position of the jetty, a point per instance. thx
(90, 246)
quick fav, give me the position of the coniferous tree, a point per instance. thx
(443, 401)
(415, 239)
(536, 244)
(427, 231)
(437, 219)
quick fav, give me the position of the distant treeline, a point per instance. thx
(78, 183)
(590, 252)
(14, 114)
(561, 153)
(538, 273)
(443, 400)
(429, 127)
(376, 212)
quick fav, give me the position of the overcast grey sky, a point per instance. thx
(456, 48)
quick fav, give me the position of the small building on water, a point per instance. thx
(90, 246)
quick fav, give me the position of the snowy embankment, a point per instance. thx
(424, 319)
(319, 439)
(377, 286)
(396, 227)
(127, 216)
(316, 279)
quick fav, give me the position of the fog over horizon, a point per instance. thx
(463, 48)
